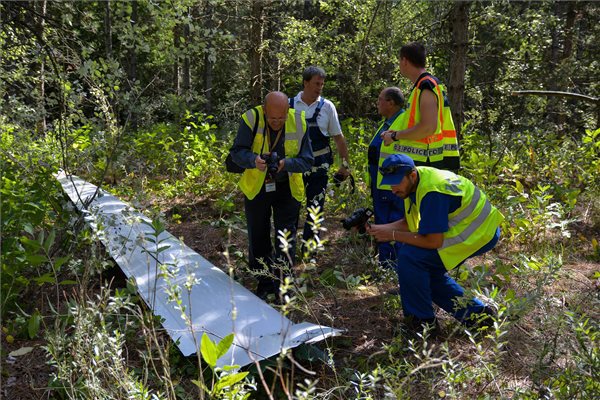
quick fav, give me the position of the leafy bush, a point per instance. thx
(30, 217)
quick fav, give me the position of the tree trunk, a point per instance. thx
(41, 123)
(569, 30)
(458, 61)
(186, 83)
(307, 10)
(208, 61)
(554, 45)
(107, 30)
(559, 59)
(176, 64)
(552, 105)
(270, 62)
(132, 67)
(256, 40)
(567, 52)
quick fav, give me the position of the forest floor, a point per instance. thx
(367, 314)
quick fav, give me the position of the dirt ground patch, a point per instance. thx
(367, 314)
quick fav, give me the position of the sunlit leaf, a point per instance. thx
(208, 350)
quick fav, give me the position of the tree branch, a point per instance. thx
(590, 99)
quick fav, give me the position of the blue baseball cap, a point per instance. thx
(395, 168)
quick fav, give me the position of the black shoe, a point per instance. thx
(415, 326)
(267, 288)
(395, 291)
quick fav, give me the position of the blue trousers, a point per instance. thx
(424, 280)
(386, 210)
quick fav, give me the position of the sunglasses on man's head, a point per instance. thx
(392, 169)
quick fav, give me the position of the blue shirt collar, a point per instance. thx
(391, 119)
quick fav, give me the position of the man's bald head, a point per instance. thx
(278, 99)
(276, 108)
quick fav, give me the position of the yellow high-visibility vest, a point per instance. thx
(412, 148)
(253, 179)
(442, 145)
(471, 226)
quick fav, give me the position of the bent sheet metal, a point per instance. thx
(213, 302)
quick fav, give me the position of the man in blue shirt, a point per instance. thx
(448, 220)
(323, 124)
(386, 206)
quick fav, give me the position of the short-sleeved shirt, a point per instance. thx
(328, 120)
(435, 208)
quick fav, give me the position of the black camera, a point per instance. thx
(272, 161)
(358, 219)
(338, 178)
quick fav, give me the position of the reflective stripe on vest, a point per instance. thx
(451, 149)
(471, 226)
(476, 224)
(252, 179)
(416, 150)
(443, 142)
(436, 140)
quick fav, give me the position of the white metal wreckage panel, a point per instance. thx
(213, 301)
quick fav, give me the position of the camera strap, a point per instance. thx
(276, 139)
(271, 147)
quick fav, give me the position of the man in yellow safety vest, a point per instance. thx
(273, 147)
(447, 219)
(390, 105)
(429, 135)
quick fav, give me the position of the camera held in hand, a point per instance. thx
(358, 219)
(338, 178)
(272, 161)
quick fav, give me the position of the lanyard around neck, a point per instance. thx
(268, 135)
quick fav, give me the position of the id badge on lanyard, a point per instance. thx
(270, 187)
(270, 184)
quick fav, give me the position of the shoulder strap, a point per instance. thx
(318, 109)
(427, 78)
(255, 128)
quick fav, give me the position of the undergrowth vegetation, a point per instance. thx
(103, 342)
(142, 98)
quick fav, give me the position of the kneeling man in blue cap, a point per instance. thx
(447, 219)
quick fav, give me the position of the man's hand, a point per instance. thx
(381, 233)
(343, 172)
(281, 165)
(260, 163)
(388, 137)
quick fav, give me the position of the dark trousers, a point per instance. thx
(386, 208)
(284, 209)
(315, 186)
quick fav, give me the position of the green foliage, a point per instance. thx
(88, 352)
(29, 217)
(226, 385)
(116, 108)
(580, 379)
(180, 156)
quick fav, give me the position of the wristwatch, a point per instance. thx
(393, 136)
